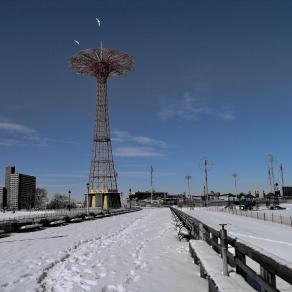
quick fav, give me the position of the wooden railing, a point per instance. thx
(269, 267)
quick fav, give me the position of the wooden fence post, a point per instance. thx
(240, 257)
(223, 236)
(202, 232)
(214, 243)
(269, 277)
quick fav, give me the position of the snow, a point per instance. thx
(274, 239)
(138, 251)
(213, 267)
(19, 214)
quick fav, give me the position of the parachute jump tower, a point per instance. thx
(102, 63)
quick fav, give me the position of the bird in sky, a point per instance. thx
(76, 42)
(98, 21)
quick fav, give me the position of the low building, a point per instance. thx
(148, 195)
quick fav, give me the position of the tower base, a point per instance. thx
(105, 200)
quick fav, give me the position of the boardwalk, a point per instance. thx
(131, 252)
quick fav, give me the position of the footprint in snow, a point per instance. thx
(113, 288)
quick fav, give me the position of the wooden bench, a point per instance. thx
(183, 232)
(211, 268)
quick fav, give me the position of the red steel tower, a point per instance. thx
(102, 63)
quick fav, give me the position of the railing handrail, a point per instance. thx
(269, 264)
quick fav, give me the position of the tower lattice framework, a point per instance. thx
(101, 64)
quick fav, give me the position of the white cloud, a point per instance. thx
(191, 108)
(133, 151)
(149, 141)
(123, 136)
(16, 128)
(13, 134)
(120, 136)
(9, 142)
(226, 116)
(136, 146)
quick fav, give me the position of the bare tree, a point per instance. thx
(41, 198)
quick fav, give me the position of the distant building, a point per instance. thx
(147, 195)
(3, 198)
(287, 191)
(21, 189)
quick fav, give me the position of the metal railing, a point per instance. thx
(269, 267)
(261, 215)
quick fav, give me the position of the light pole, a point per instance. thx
(130, 193)
(151, 182)
(235, 175)
(69, 192)
(87, 199)
(122, 200)
(188, 177)
(282, 175)
(271, 161)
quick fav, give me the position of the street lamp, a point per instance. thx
(87, 201)
(188, 177)
(235, 175)
(69, 192)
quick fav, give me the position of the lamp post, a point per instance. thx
(235, 175)
(87, 199)
(188, 177)
(130, 193)
(151, 182)
(69, 192)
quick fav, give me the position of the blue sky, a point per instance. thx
(212, 79)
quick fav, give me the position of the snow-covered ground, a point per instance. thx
(20, 214)
(286, 212)
(138, 251)
(270, 238)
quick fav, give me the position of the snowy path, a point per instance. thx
(132, 252)
(272, 238)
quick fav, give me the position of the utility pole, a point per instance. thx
(69, 192)
(188, 177)
(282, 174)
(270, 180)
(87, 199)
(151, 182)
(270, 159)
(235, 175)
(206, 181)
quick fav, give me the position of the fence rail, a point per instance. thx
(261, 215)
(269, 267)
